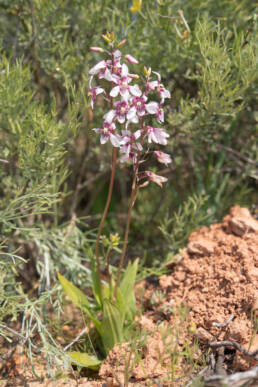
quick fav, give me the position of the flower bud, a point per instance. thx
(147, 72)
(133, 76)
(121, 44)
(96, 49)
(106, 38)
(105, 240)
(131, 59)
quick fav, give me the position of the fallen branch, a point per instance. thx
(237, 346)
(239, 379)
(222, 325)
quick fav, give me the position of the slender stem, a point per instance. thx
(129, 215)
(127, 229)
(110, 190)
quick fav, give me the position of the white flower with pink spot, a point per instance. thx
(123, 88)
(108, 133)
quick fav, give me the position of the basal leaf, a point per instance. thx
(111, 325)
(121, 304)
(85, 360)
(78, 297)
(127, 288)
(96, 285)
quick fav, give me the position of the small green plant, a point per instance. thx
(129, 107)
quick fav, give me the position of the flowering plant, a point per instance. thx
(128, 126)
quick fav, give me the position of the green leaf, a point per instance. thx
(78, 297)
(121, 304)
(111, 325)
(96, 284)
(127, 288)
(85, 360)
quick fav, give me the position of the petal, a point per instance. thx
(131, 113)
(108, 76)
(99, 90)
(135, 90)
(158, 75)
(94, 70)
(103, 139)
(152, 85)
(121, 119)
(117, 54)
(114, 92)
(115, 141)
(137, 134)
(109, 116)
(125, 94)
(152, 107)
(124, 70)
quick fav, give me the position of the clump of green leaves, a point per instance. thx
(116, 316)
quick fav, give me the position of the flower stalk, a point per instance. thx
(129, 105)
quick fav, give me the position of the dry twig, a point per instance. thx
(235, 345)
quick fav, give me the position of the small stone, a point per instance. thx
(201, 247)
(203, 336)
(239, 226)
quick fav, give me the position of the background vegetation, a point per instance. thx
(54, 173)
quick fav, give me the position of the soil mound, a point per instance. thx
(217, 278)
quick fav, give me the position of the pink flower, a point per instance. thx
(152, 107)
(156, 178)
(131, 59)
(94, 92)
(164, 93)
(157, 135)
(123, 86)
(115, 65)
(129, 145)
(138, 106)
(121, 111)
(101, 70)
(108, 133)
(159, 114)
(162, 157)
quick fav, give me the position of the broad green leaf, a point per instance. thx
(78, 297)
(111, 325)
(96, 285)
(121, 304)
(106, 292)
(85, 360)
(127, 288)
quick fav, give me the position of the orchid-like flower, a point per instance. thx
(121, 111)
(156, 178)
(162, 157)
(108, 133)
(93, 93)
(157, 135)
(138, 106)
(123, 88)
(101, 69)
(129, 144)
